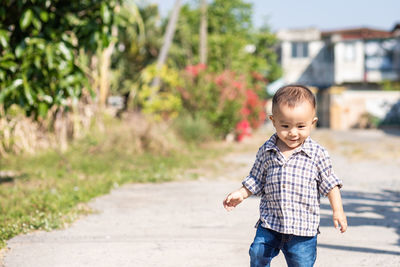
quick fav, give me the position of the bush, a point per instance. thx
(161, 102)
(223, 99)
(193, 129)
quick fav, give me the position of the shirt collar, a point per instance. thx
(306, 147)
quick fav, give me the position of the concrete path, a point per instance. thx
(184, 223)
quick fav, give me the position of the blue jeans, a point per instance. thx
(299, 251)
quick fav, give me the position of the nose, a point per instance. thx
(293, 132)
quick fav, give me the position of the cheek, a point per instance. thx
(305, 132)
(282, 132)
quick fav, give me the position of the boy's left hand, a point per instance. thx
(339, 218)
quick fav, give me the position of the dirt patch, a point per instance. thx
(358, 145)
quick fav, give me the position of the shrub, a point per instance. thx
(223, 99)
(193, 129)
(161, 102)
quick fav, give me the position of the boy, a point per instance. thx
(290, 172)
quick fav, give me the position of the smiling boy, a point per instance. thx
(290, 173)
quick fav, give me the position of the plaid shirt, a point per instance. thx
(290, 189)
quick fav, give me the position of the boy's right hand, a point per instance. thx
(235, 198)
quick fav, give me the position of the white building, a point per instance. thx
(351, 56)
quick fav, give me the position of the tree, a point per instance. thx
(168, 37)
(40, 45)
(139, 40)
(203, 32)
(233, 42)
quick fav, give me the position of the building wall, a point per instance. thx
(313, 70)
(353, 61)
(349, 62)
(347, 108)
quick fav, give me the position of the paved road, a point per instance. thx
(184, 223)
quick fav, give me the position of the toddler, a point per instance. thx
(290, 173)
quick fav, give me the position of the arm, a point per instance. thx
(339, 218)
(235, 198)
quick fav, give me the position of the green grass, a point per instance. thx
(49, 189)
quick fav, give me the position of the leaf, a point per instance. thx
(8, 64)
(6, 91)
(37, 61)
(44, 16)
(65, 51)
(49, 57)
(105, 13)
(48, 99)
(37, 24)
(19, 50)
(26, 19)
(28, 91)
(7, 56)
(42, 109)
(17, 83)
(4, 38)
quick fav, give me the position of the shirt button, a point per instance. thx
(283, 186)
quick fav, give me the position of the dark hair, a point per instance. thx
(292, 95)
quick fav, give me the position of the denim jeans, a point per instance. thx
(299, 251)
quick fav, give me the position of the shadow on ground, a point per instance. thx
(392, 131)
(386, 214)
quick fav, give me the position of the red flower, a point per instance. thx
(252, 98)
(194, 70)
(244, 111)
(243, 130)
(238, 85)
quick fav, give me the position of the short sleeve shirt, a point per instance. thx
(290, 188)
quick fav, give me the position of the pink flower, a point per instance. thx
(238, 85)
(252, 98)
(243, 130)
(244, 111)
(194, 70)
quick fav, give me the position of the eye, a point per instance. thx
(284, 126)
(301, 126)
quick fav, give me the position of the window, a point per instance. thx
(349, 52)
(299, 49)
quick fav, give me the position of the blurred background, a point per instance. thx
(96, 93)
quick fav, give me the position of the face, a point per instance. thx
(293, 124)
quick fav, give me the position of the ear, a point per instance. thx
(314, 121)
(271, 117)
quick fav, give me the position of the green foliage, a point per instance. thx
(40, 42)
(193, 129)
(139, 39)
(160, 102)
(233, 42)
(390, 86)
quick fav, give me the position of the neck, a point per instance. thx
(285, 150)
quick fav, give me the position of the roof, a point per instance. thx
(396, 27)
(358, 33)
